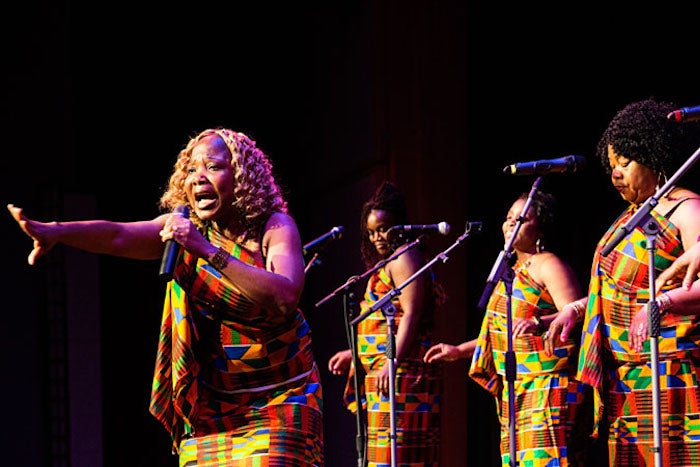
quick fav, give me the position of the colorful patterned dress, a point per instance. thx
(620, 376)
(236, 385)
(417, 389)
(550, 405)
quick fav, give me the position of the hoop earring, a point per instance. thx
(538, 245)
(661, 180)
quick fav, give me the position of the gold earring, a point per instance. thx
(661, 180)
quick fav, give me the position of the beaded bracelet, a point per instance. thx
(664, 302)
(220, 259)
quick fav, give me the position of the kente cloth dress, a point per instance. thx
(621, 377)
(235, 384)
(417, 389)
(550, 404)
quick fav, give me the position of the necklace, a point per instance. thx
(523, 264)
(526, 263)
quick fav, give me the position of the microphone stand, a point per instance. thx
(388, 309)
(648, 205)
(651, 228)
(360, 418)
(502, 272)
(312, 262)
(318, 245)
(380, 264)
(348, 306)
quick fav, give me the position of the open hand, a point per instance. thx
(40, 232)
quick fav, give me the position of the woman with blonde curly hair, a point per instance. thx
(235, 381)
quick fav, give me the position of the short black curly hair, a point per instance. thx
(642, 131)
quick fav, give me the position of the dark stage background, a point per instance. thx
(438, 96)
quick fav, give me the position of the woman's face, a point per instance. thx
(209, 182)
(378, 224)
(528, 233)
(635, 182)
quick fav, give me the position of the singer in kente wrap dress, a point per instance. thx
(619, 287)
(418, 386)
(550, 404)
(639, 149)
(235, 383)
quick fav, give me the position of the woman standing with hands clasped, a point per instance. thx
(235, 382)
(418, 386)
(549, 416)
(639, 149)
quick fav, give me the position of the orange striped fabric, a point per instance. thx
(620, 376)
(418, 387)
(550, 405)
(235, 384)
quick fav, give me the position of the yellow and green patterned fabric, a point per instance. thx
(621, 377)
(235, 384)
(418, 386)
(550, 405)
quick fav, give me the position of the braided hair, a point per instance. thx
(388, 198)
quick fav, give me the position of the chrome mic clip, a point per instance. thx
(473, 226)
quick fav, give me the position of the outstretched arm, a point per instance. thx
(137, 240)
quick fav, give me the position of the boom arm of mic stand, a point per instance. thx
(495, 276)
(388, 309)
(500, 271)
(648, 205)
(380, 264)
(397, 290)
(631, 223)
(498, 268)
(312, 262)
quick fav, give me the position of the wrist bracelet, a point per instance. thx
(220, 259)
(664, 302)
(579, 308)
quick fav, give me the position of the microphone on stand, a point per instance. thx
(442, 227)
(685, 114)
(545, 166)
(319, 243)
(172, 248)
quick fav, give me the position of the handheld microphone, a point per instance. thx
(685, 114)
(172, 248)
(562, 165)
(319, 243)
(442, 227)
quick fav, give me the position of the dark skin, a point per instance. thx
(411, 298)
(636, 183)
(209, 189)
(544, 267)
